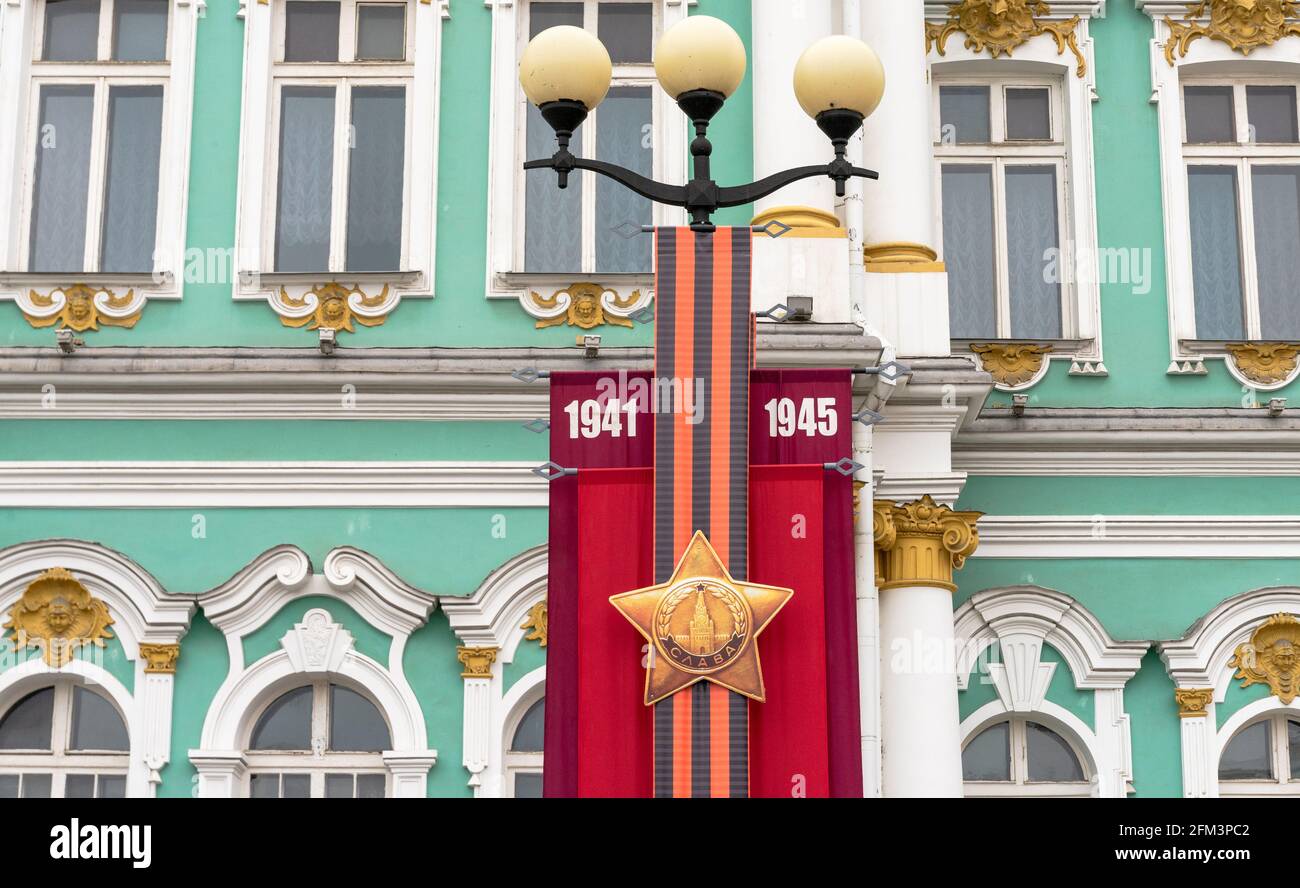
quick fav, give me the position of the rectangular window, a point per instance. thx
(1242, 152)
(1001, 184)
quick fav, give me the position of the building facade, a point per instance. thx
(268, 525)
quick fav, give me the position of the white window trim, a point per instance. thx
(505, 278)
(1021, 619)
(21, 21)
(1205, 59)
(515, 705)
(1058, 720)
(259, 129)
(1283, 784)
(59, 761)
(1036, 59)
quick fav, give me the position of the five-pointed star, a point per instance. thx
(741, 672)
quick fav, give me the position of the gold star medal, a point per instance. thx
(702, 625)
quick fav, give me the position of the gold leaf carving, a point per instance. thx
(477, 661)
(1012, 363)
(1192, 702)
(79, 312)
(922, 542)
(1272, 657)
(1245, 25)
(58, 615)
(585, 309)
(537, 623)
(1264, 362)
(999, 26)
(160, 658)
(334, 308)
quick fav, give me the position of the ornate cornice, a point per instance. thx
(81, 307)
(333, 306)
(1193, 702)
(1000, 26)
(922, 543)
(477, 661)
(1271, 657)
(1244, 25)
(1266, 363)
(537, 623)
(160, 658)
(58, 615)
(1012, 364)
(584, 305)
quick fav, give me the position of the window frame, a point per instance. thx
(516, 762)
(1020, 786)
(1282, 784)
(59, 760)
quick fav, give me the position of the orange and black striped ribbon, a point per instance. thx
(704, 347)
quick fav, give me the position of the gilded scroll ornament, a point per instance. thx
(1245, 25)
(160, 658)
(477, 661)
(1000, 26)
(883, 533)
(922, 542)
(1266, 363)
(83, 308)
(337, 307)
(1272, 657)
(1012, 364)
(537, 623)
(586, 306)
(1192, 702)
(58, 615)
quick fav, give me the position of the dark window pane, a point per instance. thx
(304, 211)
(623, 137)
(1293, 742)
(112, 786)
(58, 238)
(1033, 249)
(71, 30)
(131, 192)
(311, 31)
(988, 756)
(1216, 252)
(338, 786)
(1249, 755)
(29, 723)
(1272, 111)
(1277, 249)
(381, 33)
(79, 786)
(264, 786)
(370, 786)
(286, 723)
(37, 786)
(528, 786)
(964, 115)
(1050, 757)
(96, 724)
(1209, 111)
(548, 15)
(140, 30)
(9, 786)
(355, 723)
(529, 734)
(295, 786)
(968, 250)
(1029, 115)
(375, 176)
(552, 218)
(627, 30)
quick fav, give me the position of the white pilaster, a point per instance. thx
(478, 730)
(868, 618)
(221, 774)
(410, 772)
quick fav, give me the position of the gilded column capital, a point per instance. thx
(1192, 702)
(477, 661)
(160, 658)
(922, 543)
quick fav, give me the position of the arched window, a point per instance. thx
(1020, 757)
(1263, 758)
(524, 756)
(63, 741)
(320, 740)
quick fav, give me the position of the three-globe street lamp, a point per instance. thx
(565, 71)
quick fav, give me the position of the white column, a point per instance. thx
(868, 617)
(784, 136)
(221, 774)
(410, 772)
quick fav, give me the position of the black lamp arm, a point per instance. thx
(672, 195)
(739, 195)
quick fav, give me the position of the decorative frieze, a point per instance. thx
(58, 615)
(922, 543)
(1272, 657)
(1193, 702)
(585, 306)
(1244, 25)
(477, 661)
(1000, 26)
(81, 308)
(1013, 364)
(536, 622)
(160, 658)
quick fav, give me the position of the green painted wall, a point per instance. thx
(980, 690)
(528, 656)
(111, 657)
(1153, 726)
(434, 673)
(1078, 495)
(201, 669)
(367, 639)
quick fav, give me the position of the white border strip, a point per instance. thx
(1139, 536)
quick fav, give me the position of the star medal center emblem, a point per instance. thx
(702, 626)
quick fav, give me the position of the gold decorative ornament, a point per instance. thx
(1245, 25)
(1001, 26)
(803, 222)
(537, 623)
(922, 543)
(585, 308)
(857, 499)
(1266, 363)
(477, 661)
(1013, 363)
(1192, 702)
(80, 312)
(901, 257)
(1272, 657)
(160, 658)
(334, 308)
(58, 615)
(702, 625)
